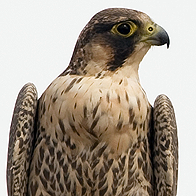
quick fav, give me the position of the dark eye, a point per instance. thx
(124, 29)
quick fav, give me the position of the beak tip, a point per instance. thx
(168, 43)
(159, 38)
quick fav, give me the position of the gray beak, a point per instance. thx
(158, 37)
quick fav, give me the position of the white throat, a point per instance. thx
(130, 67)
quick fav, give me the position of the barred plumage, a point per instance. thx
(93, 131)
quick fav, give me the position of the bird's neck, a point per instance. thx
(130, 71)
(130, 67)
(93, 61)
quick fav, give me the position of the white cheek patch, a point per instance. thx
(98, 58)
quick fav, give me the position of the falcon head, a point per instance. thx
(115, 38)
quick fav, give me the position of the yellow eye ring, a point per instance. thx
(124, 29)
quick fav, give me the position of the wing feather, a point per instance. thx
(165, 155)
(21, 140)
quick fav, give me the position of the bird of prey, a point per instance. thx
(93, 130)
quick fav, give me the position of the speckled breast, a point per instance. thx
(92, 139)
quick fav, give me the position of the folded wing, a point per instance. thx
(21, 140)
(165, 145)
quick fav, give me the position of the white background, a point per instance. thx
(37, 39)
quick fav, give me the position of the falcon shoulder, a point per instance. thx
(21, 140)
(165, 147)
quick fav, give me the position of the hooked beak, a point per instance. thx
(158, 37)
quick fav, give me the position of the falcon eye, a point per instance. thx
(124, 29)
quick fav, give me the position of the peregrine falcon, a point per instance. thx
(93, 130)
